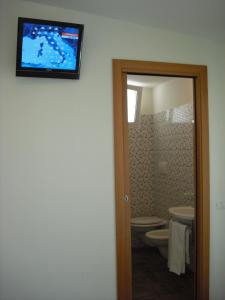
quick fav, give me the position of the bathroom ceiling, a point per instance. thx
(146, 81)
(197, 17)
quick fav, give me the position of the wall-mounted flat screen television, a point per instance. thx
(48, 48)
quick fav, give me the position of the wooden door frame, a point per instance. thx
(123, 235)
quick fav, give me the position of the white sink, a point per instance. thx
(183, 214)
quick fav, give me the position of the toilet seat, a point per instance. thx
(143, 221)
(159, 234)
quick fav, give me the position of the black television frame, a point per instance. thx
(41, 72)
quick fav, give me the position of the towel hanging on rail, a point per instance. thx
(178, 248)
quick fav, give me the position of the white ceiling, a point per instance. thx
(197, 17)
(147, 80)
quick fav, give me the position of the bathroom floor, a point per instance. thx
(153, 281)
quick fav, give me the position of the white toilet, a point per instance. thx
(158, 238)
(141, 225)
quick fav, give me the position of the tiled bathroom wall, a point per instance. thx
(140, 166)
(161, 157)
(173, 161)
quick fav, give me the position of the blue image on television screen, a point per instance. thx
(49, 47)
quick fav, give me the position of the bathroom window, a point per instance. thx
(133, 105)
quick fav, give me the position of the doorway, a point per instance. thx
(122, 68)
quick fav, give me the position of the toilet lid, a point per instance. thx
(160, 234)
(146, 220)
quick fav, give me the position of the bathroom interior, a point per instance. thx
(162, 174)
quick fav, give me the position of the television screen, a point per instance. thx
(48, 48)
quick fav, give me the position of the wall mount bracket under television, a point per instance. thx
(48, 48)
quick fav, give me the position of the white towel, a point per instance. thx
(178, 251)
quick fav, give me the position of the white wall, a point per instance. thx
(172, 93)
(147, 101)
(166, 95)
(57, 226)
